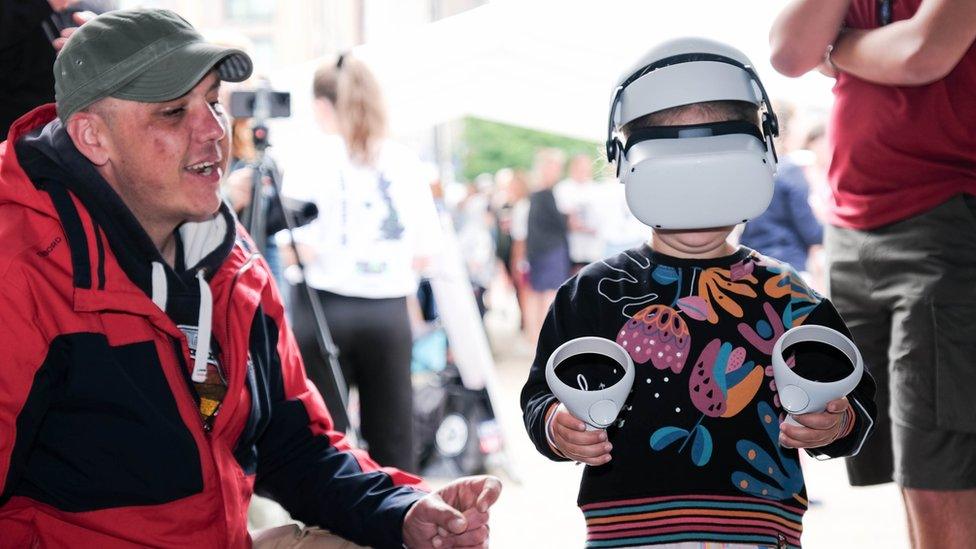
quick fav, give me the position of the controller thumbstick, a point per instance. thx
(793, 398)
(604, 412)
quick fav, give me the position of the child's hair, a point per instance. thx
(716, 111)
(360, 111)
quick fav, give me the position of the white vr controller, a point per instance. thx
(799, 395)
(599, 408)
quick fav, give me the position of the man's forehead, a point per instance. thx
(207, 84)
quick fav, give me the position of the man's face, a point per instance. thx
(166, 159)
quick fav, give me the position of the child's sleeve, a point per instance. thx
(567, 319)
(865, 412)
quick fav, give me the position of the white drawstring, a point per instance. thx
(203, 330)
(159, 291)
(204, 319)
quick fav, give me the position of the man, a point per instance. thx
(788, 230)
(546, 245)
(578, 197)
(902, 240)
(149, 382)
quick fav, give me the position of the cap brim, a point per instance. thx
(177, 73)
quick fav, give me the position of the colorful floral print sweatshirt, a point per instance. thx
(695, 449)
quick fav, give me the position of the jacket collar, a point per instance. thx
(52, 162)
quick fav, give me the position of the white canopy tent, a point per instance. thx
(543, 64)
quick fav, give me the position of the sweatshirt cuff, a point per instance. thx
(550, 415)
(858, 428)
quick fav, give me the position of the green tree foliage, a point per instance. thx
(489, 146)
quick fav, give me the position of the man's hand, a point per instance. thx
(456, 516)
(80, 18)
(817, 429)
(570, 437)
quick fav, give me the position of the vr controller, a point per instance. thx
(799, 395)
(599, 408)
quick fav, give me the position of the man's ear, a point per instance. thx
(89, 132)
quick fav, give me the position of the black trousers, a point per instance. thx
(375, 343)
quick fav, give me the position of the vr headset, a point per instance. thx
(698, 176)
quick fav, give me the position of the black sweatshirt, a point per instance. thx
(695, 449)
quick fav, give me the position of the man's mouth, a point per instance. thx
(202, 168)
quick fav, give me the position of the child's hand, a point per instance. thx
(570, 437)
(817, 429)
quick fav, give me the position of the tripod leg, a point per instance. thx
(316, 366)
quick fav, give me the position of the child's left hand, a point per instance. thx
(817, 429)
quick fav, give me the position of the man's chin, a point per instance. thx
(205, 215)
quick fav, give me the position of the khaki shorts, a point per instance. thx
(908, 293)
(292, 536)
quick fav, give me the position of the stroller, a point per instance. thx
(455, 427)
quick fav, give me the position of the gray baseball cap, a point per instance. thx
(146, 55)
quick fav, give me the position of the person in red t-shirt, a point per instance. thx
(902, 237)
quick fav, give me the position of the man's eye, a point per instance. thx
(174, 112)
(217, 106)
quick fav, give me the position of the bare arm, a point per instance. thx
(912, 52)
(801, 33)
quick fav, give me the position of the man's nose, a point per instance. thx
(210, 124)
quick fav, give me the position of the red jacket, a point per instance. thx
(101, 441)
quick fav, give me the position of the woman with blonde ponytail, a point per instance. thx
(377, 225)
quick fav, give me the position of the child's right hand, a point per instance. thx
(570, 437)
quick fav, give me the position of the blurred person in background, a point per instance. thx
(618, 228)
(513, 217)
(29, 41)
(501, 212)
(816, 165)
(475, 236)
(577, 197)
(376, 230)
(788, 230)
(546, 243)
(901, 239)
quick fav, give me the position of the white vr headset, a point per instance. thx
(799, 395)
(698, 176)
(598, 409)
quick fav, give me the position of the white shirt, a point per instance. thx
(579, 198)
(373, 221)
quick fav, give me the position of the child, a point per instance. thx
(698, 453)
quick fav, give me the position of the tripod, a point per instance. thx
(256, 220)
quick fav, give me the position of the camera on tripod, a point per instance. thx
(266, 213)
(248, 104)
(259, 105)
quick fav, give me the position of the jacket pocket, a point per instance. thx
(955, 356)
